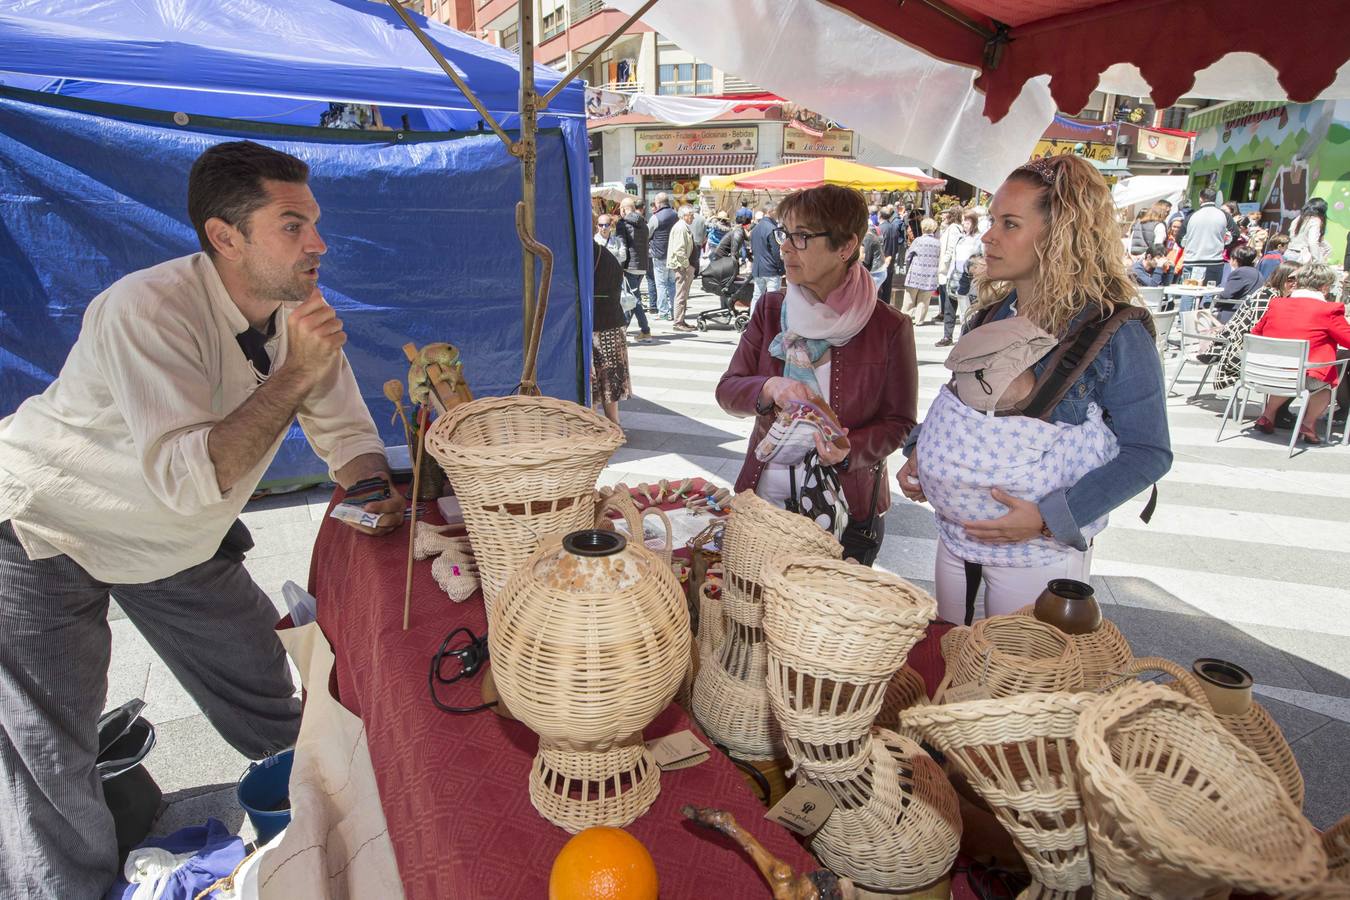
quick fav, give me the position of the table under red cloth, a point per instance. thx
(455, 787)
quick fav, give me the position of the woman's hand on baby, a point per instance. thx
(908, 477)
(829, 454)
(1022, 522)
(781, 391)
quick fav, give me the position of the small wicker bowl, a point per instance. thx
(1178, 807)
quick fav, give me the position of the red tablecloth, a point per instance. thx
(454, 787)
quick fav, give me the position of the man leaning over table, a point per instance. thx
(125, 478)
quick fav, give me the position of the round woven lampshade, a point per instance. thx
(589, 641)
(1178, 807)
(522, 467)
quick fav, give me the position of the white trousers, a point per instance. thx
(1006, 589)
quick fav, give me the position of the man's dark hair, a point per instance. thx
(227, 183)
(1207, 195)
(1244, 256)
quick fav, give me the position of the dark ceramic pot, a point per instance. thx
(1069, 606)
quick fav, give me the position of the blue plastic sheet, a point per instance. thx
(421, 236)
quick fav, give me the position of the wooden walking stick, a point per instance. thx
(412, 524)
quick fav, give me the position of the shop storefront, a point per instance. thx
(672, 159)
(1274, 157)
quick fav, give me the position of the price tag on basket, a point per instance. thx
(962, 693)
(678, 751)
(803, 809)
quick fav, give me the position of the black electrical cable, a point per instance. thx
(471, 658)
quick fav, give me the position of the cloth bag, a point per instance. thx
(819, 497)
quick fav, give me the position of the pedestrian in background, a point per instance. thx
(766, 265)
(659, 225)
(609, 350)
(960, 277)
(631, 229)
(1306, 242)
(699, 229)
(679, 262)
(921, 268)
(893, 246)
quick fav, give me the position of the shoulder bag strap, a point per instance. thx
(1072, 357)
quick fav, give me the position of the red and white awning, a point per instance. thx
(693, 163)
(972, 99)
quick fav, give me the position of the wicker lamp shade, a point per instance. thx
(1103, 653)
(1009, 655)
(1248, 720)
(589, 641)
(730, 698)
(1018, 754)
(895, 827)
(837, 633)
(522, 467)
(1177, 807)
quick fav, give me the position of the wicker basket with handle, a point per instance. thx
(1177, 807)
(1010, 654)
(1253, 726)
(523, 468)
(1018, 754)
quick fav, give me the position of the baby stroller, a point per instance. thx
(722, 277)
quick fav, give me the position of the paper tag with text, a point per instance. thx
(961, 693)
(678, 751)
(803, 809)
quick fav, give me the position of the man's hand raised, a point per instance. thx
(314, 337)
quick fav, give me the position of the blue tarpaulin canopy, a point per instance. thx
(104, 106)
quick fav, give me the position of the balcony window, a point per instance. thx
(684, 78)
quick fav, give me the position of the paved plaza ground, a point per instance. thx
(1246, 559)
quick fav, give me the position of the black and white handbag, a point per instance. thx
(819, 497)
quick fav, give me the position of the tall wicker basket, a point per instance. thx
(1010, 654)
(730, 699)
(523, 468)
(1249, 722)
(1177, 807)
(1103, 653)
(1018, 754)
(590, 640)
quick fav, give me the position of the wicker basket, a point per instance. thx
(1336, 842)
(590, 640)
(1253, 726)
(737, 715)
(523, 468)
(837, 633)
(622, 502)
(1010, 655)
(895, 827)
(1017, 753)
(906, 690)
(1104, 653)
(1176, 806)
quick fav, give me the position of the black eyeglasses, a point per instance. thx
(799, 238)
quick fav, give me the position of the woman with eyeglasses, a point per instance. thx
(827, 337)
(1052, 255)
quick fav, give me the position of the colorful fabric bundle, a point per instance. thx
(793, 432)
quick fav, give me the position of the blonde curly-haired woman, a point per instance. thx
(1052, 255)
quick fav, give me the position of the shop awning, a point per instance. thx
(969, 86)
(692, 163)
(815, 172)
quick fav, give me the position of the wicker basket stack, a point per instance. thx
(567, 664)
(1018, 754)
(1177, 807)
(837, 634)
(730, 699)
(523, 468)
(1244, 718)
(1007, 655)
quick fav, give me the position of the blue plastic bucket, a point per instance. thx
(265, 786)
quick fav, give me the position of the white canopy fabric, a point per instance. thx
(679, 110)
(895, 94)
(1138, 190)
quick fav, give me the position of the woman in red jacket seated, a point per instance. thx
(827, 335)
(1306, 315)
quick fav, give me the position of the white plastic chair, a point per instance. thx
(1162, 327)
(1278, 367)
(1153, 297)
(1191, 343)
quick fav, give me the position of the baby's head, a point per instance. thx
(1017, 390)
(992, 366)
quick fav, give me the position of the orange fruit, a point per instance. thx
(603, 864)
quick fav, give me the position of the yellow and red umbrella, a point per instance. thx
(810, 173)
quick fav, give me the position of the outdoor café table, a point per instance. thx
(1201, 293)
(454, 788)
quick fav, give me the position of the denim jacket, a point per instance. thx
(1126, 382)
